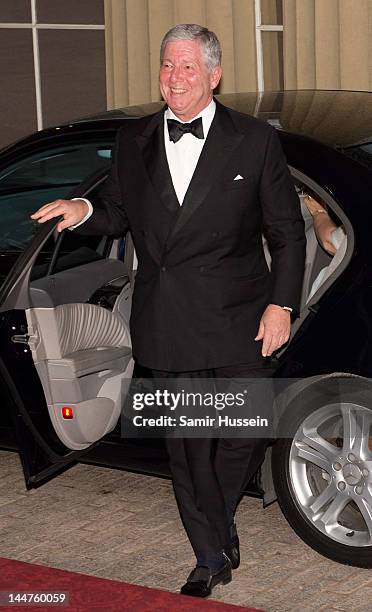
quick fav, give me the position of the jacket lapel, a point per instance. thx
(221, 141)
(151, 144)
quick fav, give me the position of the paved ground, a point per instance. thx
(125, 526)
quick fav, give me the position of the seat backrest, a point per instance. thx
(312, 246)
(326, 272)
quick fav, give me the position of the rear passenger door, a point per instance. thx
(65, 349)
(41, 172)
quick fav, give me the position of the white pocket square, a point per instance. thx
(238, 177)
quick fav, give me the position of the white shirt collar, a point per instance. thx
(206, 114)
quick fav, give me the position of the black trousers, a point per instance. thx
(210, 474)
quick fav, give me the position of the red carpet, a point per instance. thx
(87, 593)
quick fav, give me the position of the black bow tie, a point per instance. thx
(177, 129)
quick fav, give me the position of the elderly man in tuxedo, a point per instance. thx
(197, 184)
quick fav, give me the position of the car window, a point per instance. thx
(361, 153)
(41, 178)
(71, 249)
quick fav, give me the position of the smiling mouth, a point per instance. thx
(175, 90)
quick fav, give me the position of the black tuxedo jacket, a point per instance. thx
(202, 282)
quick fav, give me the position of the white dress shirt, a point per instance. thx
(183, 156)
(89, 213)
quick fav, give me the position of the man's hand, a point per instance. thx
(73, 212)
(274, 329)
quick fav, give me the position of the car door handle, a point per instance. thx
(20, 339)
(25, 339)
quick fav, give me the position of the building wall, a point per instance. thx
(63, 59)
(328, 44)
(52, 63)
(134, 30)
(324, 44)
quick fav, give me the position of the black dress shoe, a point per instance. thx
(202, 580)
(233, 551)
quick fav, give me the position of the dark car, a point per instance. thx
(65, 353)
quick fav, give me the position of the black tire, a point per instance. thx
(358, 556)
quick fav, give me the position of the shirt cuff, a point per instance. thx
(89, 213)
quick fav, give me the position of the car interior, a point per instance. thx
(317, 259)
(321, 268)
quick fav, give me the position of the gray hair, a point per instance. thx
(210, 44)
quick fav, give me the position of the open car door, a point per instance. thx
(65, 349)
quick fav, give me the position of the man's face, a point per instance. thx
(185, 81)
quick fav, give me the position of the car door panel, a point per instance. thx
(76, 354)
(76, 284)
(82, 353)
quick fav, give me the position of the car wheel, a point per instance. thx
(323, 479)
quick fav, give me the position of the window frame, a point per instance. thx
(259, 47)
(35, 26)
(17, 155)
(96, 179)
